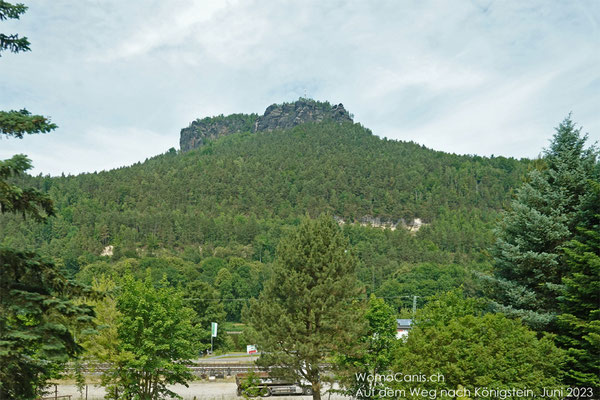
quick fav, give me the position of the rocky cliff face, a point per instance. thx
(201, 130)
(276, 116)
(288, 115)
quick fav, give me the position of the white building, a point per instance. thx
(402, 327)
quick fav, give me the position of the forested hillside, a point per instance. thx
(295, 248)
(207, 227)
(344, 170)
(236, 196)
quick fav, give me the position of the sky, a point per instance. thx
(121, 78)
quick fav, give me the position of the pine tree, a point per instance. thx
(308, 309)
(37, 317)
(12, 42)
(17, 123)
(542, 217)
(579, 323)
(37, 308)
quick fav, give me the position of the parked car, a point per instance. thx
(260, 383)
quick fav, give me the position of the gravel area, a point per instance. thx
(218, 390)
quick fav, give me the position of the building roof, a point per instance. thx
(403, 323)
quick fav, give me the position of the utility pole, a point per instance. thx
(414, 305)
(373, 276)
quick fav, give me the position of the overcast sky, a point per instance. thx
(121, 78)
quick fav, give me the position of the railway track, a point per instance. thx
(205, 369)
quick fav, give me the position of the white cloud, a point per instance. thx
(98, 149)
(174, 26)
(467, 77)
(484, 123)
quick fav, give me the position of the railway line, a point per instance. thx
(200, 369)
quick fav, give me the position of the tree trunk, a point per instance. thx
(316, 390)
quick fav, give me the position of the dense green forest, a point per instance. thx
(233, 198)
(204, 228)
(304, 235)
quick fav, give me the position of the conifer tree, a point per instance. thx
(309, 309)
(542, 217)
(16, 124)
(37, 317)
(37, 307)
(579, 323)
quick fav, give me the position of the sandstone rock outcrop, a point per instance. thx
(201, 130)
(275, 117)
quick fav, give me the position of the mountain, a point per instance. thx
(276, 116)
(235, 195)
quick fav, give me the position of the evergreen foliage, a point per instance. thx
(38, 311)
(18, 123)
(240, 194)
(309, 309)
(235, 197)
(14, 199)
(543, 217)
(37, 317)
(579, 321)
(13, 42)
(230, 222)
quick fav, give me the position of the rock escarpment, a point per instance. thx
(276, 116)
(288, 115)
(201, 130)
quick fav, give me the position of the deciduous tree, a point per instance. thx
(156, 341)
(451, 339)
(375, 356)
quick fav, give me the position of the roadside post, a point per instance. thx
(251, 349)
(213, 334)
